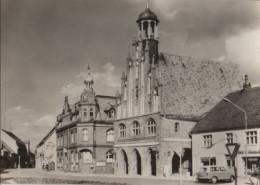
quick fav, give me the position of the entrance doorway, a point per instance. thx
(138, 162)
(175, 163)
(125, 161)
(153, 162)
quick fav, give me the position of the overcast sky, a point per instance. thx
(46, 46)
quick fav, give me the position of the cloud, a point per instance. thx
(17, 109)
(244, 49)
(72, 90)
(202, 19)
(107, 79)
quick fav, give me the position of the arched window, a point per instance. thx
(177, 127)
(85, 112)
(122, 132)
(85, 134)
(110, 135)
(91, 114)
(110, 156)
(151, 129)
(87, 157)
(136, 128)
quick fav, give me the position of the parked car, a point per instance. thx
(215, 173)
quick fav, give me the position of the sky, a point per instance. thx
(46, 46)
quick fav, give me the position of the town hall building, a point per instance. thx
(162, 98)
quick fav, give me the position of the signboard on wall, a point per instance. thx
(100, 163)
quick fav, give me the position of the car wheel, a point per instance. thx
(232, 178)
(214, 180)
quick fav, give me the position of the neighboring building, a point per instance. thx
(162, 97)
(225, 123)
(13, 151)
(85, 135)
(46, 150)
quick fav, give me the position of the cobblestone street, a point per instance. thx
(34, 176)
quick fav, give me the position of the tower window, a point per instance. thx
(177, 127)
(85, 112)
(91, 114)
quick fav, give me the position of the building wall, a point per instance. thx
(219, 151)
(174, 140)
(46, 152)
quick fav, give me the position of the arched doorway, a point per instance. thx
(138, 162)
(125, 161)
(153, 162)
(175, 163)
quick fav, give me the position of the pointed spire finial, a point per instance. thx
(147, 4)
(88, 69)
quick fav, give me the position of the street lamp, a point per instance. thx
(229, 101)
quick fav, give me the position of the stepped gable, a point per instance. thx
(225, 116)
(103, 102)
(192, 86)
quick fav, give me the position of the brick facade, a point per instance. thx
(170, 90)
(85, 135)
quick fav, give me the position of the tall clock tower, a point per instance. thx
(147, 24)
(87, 99)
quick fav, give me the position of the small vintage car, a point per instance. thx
(215, 173)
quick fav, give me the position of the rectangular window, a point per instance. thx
(251, 137)
(207, 140)
(229, 138)
(72, 137)
(206, 161)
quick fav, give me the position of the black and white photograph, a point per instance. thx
(130, 92)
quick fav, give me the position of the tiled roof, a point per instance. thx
(104, 102)
(192, 86)
(225, 116)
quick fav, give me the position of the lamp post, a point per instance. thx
(229, 101)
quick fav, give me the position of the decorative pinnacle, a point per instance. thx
(147, 4)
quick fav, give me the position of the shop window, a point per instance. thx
(230, 163)
(207, 140)
(251, 137)
(229, 138)
(136, 128)
(122, 132)
(85, 134)
(206, 161)
(110, 156)
(110, 135)
(87, 157)
(151, 129)
(177, 127)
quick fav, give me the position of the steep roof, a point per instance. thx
(192, 86)
(47, 135)
(104, 103)
(18, 140)
(225, 116)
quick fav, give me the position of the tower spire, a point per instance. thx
(89, 80)
(147, 4)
